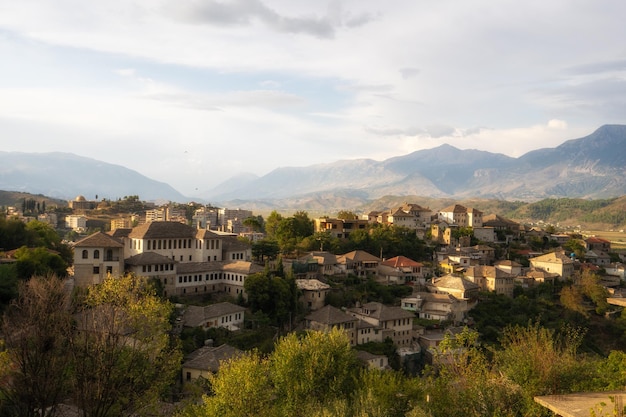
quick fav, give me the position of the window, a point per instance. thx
(109, 270)
(96, 254)
(85, 254)
(96, 270)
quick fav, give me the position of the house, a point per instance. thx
(395, 322)
(490, 278)
(461, 216)
(509, 266)
(380, 362)
(459, 287)
(400, 270)
(596, 243)
(313, 293)
(616, 269)
(206, 360)
(503, 226)
(437, 306)
(540, 276)
(339, 228)
(185, 260)
(225, 314)
(359, 263)
(598, 257)
(556, 262)
(97, 256)
(314, 265)
(329, 317)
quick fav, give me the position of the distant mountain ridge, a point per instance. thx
(65, 175)
(591, 167)
(588, 167)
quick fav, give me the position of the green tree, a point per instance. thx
(39, 261)
(314, 369)
(37, 341)
(346, 215)
(242, 388)
(271, 223)
(122, 353)
(265, 249)
(543, 362)
(272, 294)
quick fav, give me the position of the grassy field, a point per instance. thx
(617, 238)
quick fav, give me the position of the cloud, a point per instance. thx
(246, 12)
(409, 72)
(125, 72)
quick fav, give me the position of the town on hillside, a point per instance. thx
(408, 277)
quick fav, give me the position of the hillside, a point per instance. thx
(15, 199)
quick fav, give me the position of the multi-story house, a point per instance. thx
(596, 243)
(329, 317)
(556, 262)
(227, 315)
(490, 278)
(461, 216)
(313, 293)
(401, 270)
(394, 322)
(185, 260)
(76, 222)
(460, 287)
(95, 257)
(359, 263)
(339, 228)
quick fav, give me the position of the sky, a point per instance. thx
(193, 92)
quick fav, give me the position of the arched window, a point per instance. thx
(96, 254)
(85, 254)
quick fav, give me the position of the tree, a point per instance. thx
(254, 222)
(346, 215)
(271, 223)
(272, 294)
(39, 261)
(309, 375)
(542, 361)
(265, 248)
(122, 353)
(313, 369)
(37, 341)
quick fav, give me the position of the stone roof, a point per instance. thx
(196, 316)
(553, 257)
(208, 358)
(330, 316)
(400, 213)
(163, 230)
(541, 274)
(231, 243)
(383, 312)
(99, 240)
(360, 256)
(508, 262)
(311, 285)
(242, 267)
(120, 233)
(206, 234)
(149, 258)
(457, 208)
(454, 282)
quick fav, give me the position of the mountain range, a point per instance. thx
(590, 167)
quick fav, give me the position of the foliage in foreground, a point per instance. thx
(316, 375)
